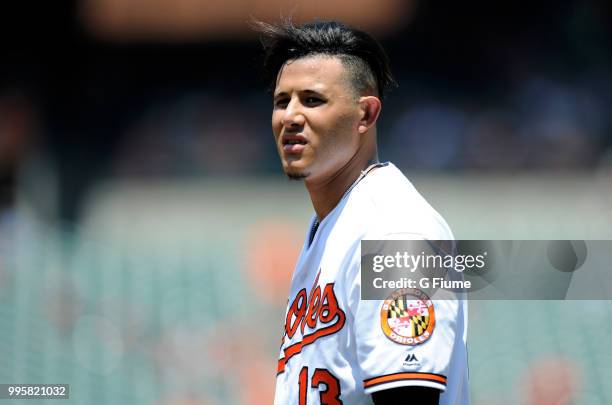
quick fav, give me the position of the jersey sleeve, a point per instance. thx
(404, 340)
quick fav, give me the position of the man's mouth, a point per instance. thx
(293, 143)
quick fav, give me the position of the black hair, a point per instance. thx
(363, 56)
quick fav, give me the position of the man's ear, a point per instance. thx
(370, 109)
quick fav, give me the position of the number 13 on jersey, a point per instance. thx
(325, 382)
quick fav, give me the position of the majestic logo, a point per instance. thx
(411, 358)
(407, 317)
(315, 315)
(411, 361)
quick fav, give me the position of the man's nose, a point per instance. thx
(294, 115)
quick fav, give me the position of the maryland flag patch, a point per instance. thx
(407, 317)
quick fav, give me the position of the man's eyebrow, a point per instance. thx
(309, 91)
(305, 91)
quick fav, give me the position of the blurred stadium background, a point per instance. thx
(147, 236)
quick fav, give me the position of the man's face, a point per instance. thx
(315, 118)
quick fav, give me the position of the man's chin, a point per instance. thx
(296, 175)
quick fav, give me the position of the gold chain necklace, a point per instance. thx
(364, 173)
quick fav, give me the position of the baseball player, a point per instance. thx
(328, 81)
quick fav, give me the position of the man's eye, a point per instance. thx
(313, 100)
(281, 103)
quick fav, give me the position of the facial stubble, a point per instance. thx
(297, 176)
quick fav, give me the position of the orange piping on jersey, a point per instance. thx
(404, 376)
(309, 339)
(314, 285)
(297, 308)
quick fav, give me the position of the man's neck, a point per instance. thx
(327, 194)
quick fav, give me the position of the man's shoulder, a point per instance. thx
(388, 204)
(389, 187)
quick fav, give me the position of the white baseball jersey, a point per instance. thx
(339, 349)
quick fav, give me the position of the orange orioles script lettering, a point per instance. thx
(315, 315)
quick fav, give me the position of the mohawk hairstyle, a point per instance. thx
(364, 58)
